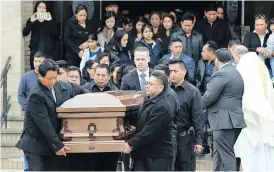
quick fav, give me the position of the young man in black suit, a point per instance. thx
(40, 141)
(136, 80)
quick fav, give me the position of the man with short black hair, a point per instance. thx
(223, 100)
(214, 29)
(101, 82)
(162, 68)
(191, 39)
(189, 122)
(40, 138)
(63, 70)
(176, 48)
(152, 144)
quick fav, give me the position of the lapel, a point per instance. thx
(136, 78)
(46, 91)
(58, 88)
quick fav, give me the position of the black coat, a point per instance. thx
(252, 41)
(74, 36)
(218, 32)
(41, 125)
(47, 30)
(131, 81)
(153, 137)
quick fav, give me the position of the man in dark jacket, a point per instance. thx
(40, 141)
(101, 82)
(213, 28)
(152, 145)
(191, 39)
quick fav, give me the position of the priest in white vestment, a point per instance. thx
(255, 144)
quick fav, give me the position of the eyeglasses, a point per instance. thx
(260, 16)
(151, 84)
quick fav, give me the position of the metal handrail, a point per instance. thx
(4, 84)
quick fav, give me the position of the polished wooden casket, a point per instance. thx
(95, 122)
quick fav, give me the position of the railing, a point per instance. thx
(4, 83)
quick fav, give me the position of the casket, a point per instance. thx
(95, 122)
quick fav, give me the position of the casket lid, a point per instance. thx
(118, 101)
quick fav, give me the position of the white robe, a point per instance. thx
(255, 144)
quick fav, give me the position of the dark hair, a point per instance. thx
(187, 16)
(219, 6)
(87, 66)
(112, 67)
(108, 15)
(183, 65)
(80, 7)
(100, 56)
(212, 46)
(142, 19)
(223, 55)
(162, 30)
(234, 42)
(48, 65)
(271, 21)
(178, 13)
(37, 4)
(261, 16)
(163, 67)
(103, 66)
(74, 68)
(162, 77)
(147, 26)
(126, 20)
(93, 37)
(211, 7)
(175, 40)
(40, 54)
(62, 64)
(193, 13)
(116, 41)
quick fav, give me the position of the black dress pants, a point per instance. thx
(184, 153)
(41, 163)
(105, 161)
(152, 164)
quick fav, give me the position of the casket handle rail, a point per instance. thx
(124, 132)
(65, 130)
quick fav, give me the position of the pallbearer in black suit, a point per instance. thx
(40, 141)
(152, 144)
(190, 119)
(136, 80)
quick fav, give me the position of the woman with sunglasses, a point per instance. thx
(256, 40)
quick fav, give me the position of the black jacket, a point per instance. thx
(154, 129)
(74, 36)
(252, 41)
(46, 30)
(41, 125)
(119, 55)
(131, 81)
(218, 32)
(92, 87)
(196, 43)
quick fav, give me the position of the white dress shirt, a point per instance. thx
(146, 73)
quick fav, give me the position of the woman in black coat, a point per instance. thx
(76, 35)
(43, 32)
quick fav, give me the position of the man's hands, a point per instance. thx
(198, 148)
(127, 148)
(62, 151)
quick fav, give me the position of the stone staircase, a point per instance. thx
(11, 157)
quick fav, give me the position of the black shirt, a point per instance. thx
(191, 110)
(93, 87)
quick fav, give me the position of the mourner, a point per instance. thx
(152, 145)
(40, 141)
(101, 82)
(136, 80)
(63, 70)
(190, 118)
(223, 100)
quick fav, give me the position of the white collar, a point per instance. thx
(223, 65)
(146, 72)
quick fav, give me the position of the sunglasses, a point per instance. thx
(260, 16)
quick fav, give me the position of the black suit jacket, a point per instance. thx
(41, 125)
(154, 128)
(131, 81)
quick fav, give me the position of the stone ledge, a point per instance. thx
(15, 118)
(15, 157)
(5, 143)
(11, 131)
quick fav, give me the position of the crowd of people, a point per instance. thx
(196, 69)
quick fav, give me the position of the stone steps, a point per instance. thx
(15, 122)
(12, 162)
(11, 134)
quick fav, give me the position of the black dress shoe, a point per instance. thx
(204, 151)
